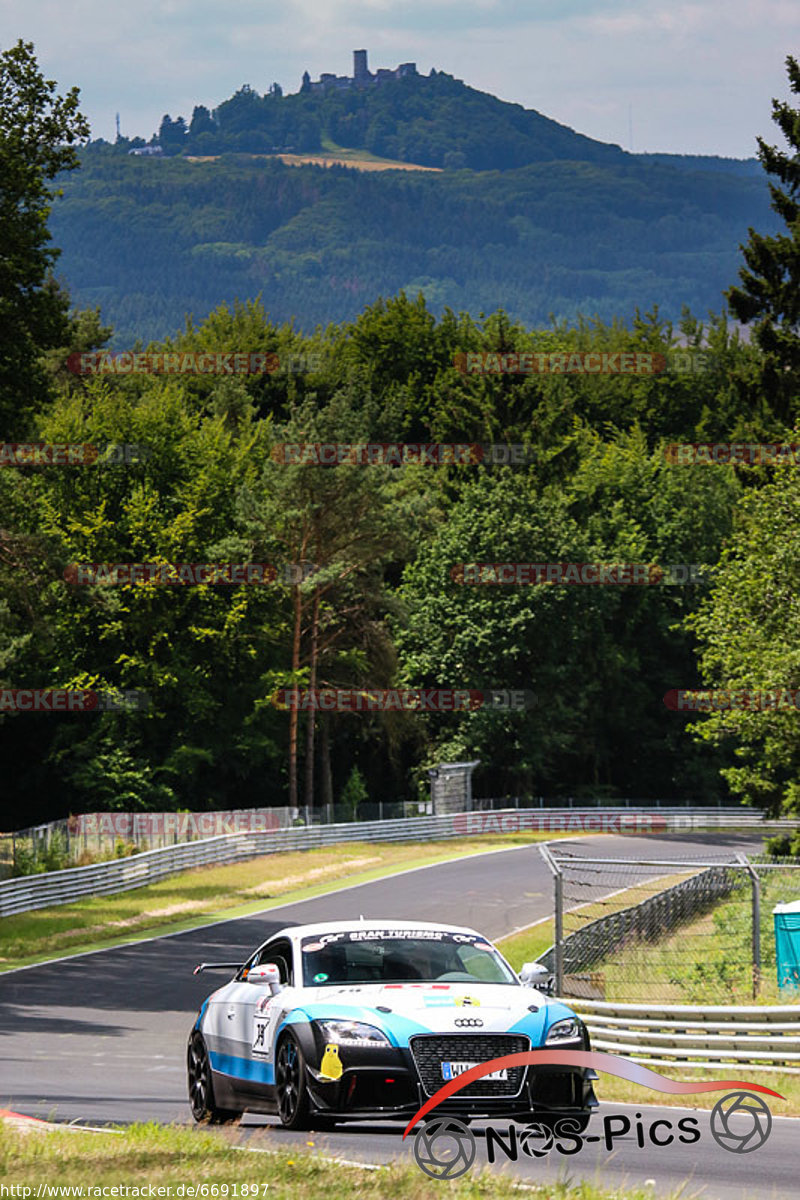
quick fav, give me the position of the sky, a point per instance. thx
(684, 78)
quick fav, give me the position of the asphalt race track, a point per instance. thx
(101, 1037)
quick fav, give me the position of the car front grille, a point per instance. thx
(431, 1050)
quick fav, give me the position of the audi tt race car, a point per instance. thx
(355, 1020)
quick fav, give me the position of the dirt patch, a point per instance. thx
(171, 910)
(270, 887)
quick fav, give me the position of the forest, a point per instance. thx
(366, 592)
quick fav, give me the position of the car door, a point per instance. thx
(260, 1012)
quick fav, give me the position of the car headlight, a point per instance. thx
(352, 1033)
(569, 1030)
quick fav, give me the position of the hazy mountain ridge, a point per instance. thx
(586, 227)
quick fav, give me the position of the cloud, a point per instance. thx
(699, 77)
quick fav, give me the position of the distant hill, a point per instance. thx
(706, 162)
(433, 120)
(152, 239)
(521, 212)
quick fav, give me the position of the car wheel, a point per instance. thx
(201, 1086)
(290, 1085)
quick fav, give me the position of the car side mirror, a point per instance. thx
(266, 975)
(536, 975)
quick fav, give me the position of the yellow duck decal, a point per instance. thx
(331, 1065)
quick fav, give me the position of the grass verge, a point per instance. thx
(169, 1156)
(197, 897)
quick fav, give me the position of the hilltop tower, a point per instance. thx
(360, 68)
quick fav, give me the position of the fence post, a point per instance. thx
(756, 933)
(755, 908)
(558, 937)
(559, 933)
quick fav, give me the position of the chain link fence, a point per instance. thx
(97, 837)
(670, 930)
(6, 855)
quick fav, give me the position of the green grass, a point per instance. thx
(329, 147)
(169, 1155)
(198, 897)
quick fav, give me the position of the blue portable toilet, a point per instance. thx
(787, 943)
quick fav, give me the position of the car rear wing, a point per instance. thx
(216, 967)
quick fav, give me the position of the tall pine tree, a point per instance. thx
(769, 295)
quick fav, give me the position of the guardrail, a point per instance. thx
(765, 1037)
(61, 887)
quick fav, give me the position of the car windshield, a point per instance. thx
(400, 956)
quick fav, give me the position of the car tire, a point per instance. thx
(201, 1087)
(291, 1091)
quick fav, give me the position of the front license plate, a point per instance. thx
(450, 1070)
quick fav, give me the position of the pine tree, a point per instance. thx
(770, 292)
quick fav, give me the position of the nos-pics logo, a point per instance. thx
(445, 1148)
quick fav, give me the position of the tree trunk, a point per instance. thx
(326, 776)
(294, 714)
(311, 718)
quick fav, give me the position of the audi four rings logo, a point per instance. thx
(469, 1023)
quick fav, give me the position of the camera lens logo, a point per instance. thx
(536, 1140)
(444, 1148)
(740, 1122)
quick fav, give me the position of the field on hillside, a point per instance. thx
(329, 160)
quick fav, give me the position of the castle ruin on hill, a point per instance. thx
(361, 77)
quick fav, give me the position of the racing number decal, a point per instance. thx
(265, 1020)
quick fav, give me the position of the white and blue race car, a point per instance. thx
(363, 1020)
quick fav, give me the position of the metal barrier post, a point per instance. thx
(558, 938)
(755, 909)
(559, 933)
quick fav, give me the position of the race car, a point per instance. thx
(364, 1020)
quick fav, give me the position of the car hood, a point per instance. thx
(437, 1008)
